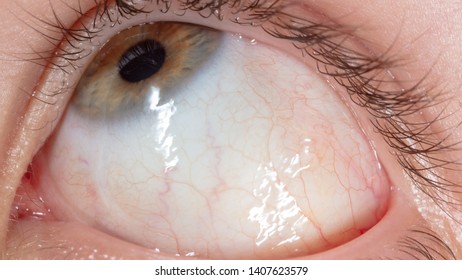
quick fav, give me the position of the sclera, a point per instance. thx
(253, 158)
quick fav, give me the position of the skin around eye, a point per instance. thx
(249, 156)
(33, 231)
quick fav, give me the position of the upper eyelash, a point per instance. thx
(360, 74)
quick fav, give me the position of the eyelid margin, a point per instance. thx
(23, 145)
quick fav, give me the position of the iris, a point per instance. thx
(161, 55)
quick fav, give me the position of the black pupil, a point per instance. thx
(142, 61)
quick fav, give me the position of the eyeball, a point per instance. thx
(193, 142)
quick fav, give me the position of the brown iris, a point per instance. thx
(160, 55)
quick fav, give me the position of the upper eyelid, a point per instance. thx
(351, 68)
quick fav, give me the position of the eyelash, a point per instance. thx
(361, 75)
(414, 246)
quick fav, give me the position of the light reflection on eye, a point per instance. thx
(248, 156)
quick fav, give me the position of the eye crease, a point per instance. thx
(160, 55)
(124, 50)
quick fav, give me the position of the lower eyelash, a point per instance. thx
(423, 243)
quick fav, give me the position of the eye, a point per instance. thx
(197, 142)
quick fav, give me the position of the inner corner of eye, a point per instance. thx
(196, 143)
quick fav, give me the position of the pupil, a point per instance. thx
(141, 61)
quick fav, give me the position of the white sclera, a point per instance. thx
(253, 157)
